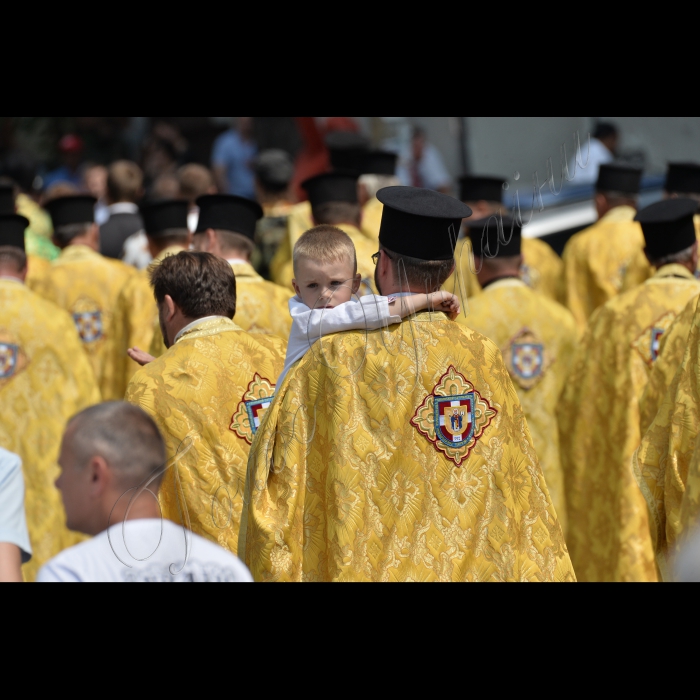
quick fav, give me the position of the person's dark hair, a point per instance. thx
(337, 213)
(125, 436)
(199, 283)
(421, 276)
(419, 132)
(274, 170)
(13, 258)
(171, 237)
(125, 182)
(65, 234)
(605, 130)
(22, 168)
(230, 241)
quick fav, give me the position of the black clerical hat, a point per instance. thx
(668, 226)
(332, 187)
(683, 178)
(620, 178)
(226, 212)
(481, 189)
(7, 199)
(76, 209)
(419, 223)
(496, 237)
(162, 217)
(12, 228)
(348, 150)
(380, 163)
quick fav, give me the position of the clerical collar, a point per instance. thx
(500, 279)
(10, 279)
(237, 261)
(123, 208)
(196, 323)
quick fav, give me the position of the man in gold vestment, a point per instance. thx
(136, 313)
(667, 463)
(401, 454)
(207, 394)
(599, 416)
(45, 378)
(542, 268)
(596, 260)
(537, 337)
(226, 228)
(682, 180)
(335, 202)
(85, 284)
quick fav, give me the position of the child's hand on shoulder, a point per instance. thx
(445, 302)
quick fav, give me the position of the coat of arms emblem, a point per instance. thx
(256, 401)
(8, 360)
(89, 325)
(527, 359)
(454, 417)
(648, 345)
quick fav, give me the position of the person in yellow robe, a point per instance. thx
(542, 268)
(207, 394)
(682, 180)
(671, 353)
(599, 415)
(596, 260)
(85, 284)
(299, 221)
(536, 336)
(226, 228)
(669, 453)
(401, 454)
(379, 172)
(45, 378)
(136, 312)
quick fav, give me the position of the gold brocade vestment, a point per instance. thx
(400, 455)
(672, 349)
(538, 339)
(37, 269)
(599, 419)
(299, 222)
(45, 379)
(88, 285)
(372, 214)
(666, 465)
(261, 307)
(207, 394)
(542, 270)
(135, 324)
(596, 262)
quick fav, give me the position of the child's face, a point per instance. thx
(325, 285)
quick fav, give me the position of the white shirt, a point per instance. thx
(600, 155)
(369, 313)
(431, 169)
(176, 557)
(13, 524)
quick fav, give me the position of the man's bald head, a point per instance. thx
(123, 435)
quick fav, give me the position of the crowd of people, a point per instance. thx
(327, 368)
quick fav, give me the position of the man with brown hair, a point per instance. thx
(207, 393)
(124, 190)
(226, 228)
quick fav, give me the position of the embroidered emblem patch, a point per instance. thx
(89, 325)
(88, 319)
(648, 344)
(12, 358)
(256, 401)
(527, 359)
(454, 417)
(8, 360)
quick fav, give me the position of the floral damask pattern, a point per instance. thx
(341, 487)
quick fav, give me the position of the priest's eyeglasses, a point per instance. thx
(376, 256)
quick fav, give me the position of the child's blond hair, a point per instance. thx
(326, 244)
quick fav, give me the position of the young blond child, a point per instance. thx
(326, 282)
